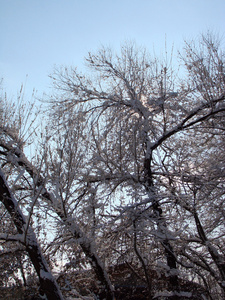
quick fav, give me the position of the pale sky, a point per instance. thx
(36, 35)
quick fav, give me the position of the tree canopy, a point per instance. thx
(127, 178)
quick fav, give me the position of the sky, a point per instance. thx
(37, 35)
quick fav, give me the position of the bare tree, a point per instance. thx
(134, 117)
(13, 128)
(126, 169)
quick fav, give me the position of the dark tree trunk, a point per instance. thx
(48, 285)
(161, 224)
(85, 244)
(218, 259)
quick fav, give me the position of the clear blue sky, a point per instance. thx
(35, 35)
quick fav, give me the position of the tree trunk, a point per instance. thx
(218, 259)
(86, 245)
(89, 250)
(161, 225)
(48, 285)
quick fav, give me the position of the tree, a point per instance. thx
(134, 118)
(10, 140)
(126, 172)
